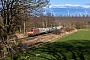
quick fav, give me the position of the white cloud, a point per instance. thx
(69, 5)
(85, 6)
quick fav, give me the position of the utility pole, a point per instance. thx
(24, 28)
(43, 24)
(24, 21)
(59, 23)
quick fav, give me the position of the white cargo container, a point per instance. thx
(42, 30)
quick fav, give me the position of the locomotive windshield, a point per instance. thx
(31, 30)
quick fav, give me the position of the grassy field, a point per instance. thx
(82, 34)
(75, 46)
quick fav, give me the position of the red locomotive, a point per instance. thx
(33, 32)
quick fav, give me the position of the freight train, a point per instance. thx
(37, 31)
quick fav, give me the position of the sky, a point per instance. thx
(60, 2)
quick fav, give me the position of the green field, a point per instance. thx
(82, 34)
(75, 46)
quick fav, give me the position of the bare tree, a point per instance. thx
(12, 12)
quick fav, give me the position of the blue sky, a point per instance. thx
(59, 2)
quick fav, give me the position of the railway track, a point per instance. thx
(27, 38)
(31, 38)
(29, 42)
